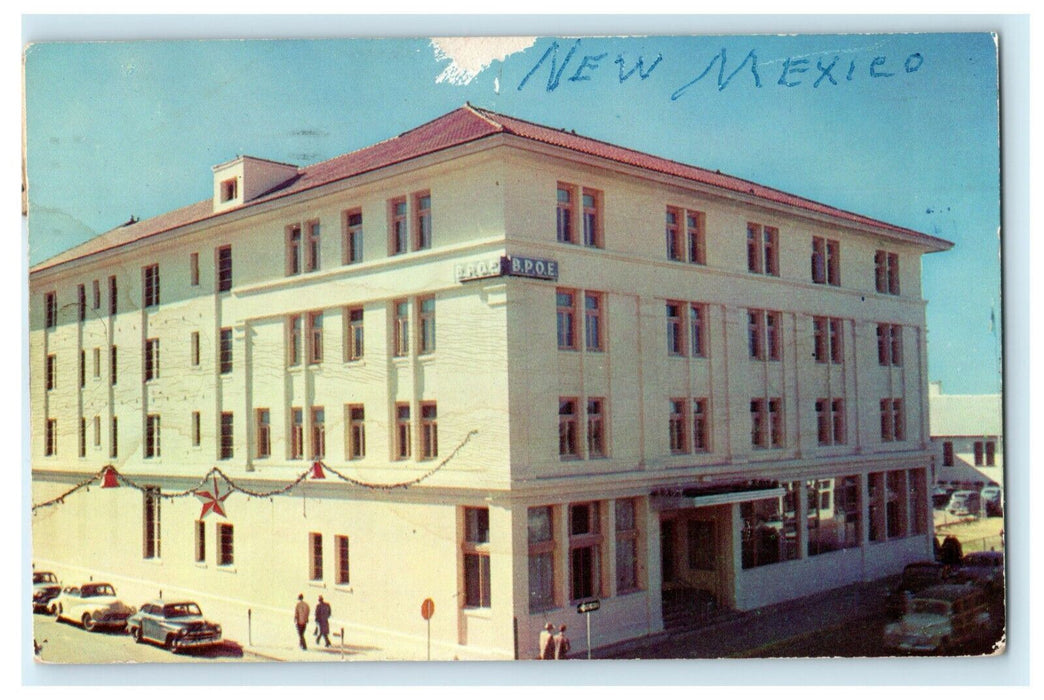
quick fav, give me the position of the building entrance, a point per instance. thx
(696, 565)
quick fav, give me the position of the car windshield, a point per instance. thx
(44, 577)
(97, 590)
(180, 610)
(930, 607)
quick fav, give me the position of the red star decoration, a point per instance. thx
(212, 499)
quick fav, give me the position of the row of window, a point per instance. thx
(984, 451)
(586, 547)
(152, 533)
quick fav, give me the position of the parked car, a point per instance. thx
(985, 569)
(916, 577)
(940, 619)
(93, 605)
(45, 589)
(176, 626)
(964, 503)
(991, 496)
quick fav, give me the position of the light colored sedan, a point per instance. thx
(93, 605)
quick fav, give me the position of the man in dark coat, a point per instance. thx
(322, 621)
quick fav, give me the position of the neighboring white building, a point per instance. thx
(968, 436)
(666, 384)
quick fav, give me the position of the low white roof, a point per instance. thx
(966, 415)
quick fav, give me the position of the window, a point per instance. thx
(596, 427)
(352, 246)
(225, 450)
(194, 269)
(315, 337)
(948, 454)
(700, 426)
(151, 522)
(312, 247)
(51, 437)
(356, 431)
(318, 432)
(766, 421)
(585, 545)
(402, 328)
(541, 538)
(889, 344)
(264, 433)
(196, 429)
(224, 268)
(114, 442)
(426, 324)
(475, 550)
(827, 335)
(81, 302)
(293, 340)
(225, 544)
(698, 330)
(429, 431)
(590, 215)
(568, 427)
(354, 325)
(830, 421)
(677, 427)
(402, 431)
(826, 262)
(764, 329)
(152, 436)
(343, 569)
(97, 363)
(626, 546)
(151, 293)
(315, 556)
(293, 249)
(886, 272)
(96, 290)
(112, 364)
(113, 304)
(421, 221)
(201, 541)
(769, 530)
(675, 332)
(50, 310)
(688, 244)
(893, 420)
(83, 437)
(225, 351)
(296, 433)
(397, 229)
(152, 359)
(83, 368)
(566, 300)
(50, 372)
(229, 188)
(97, 431)
(593, 310)
(763, 249)
(991, 456)
(194, 349)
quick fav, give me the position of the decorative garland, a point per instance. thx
(214, 497)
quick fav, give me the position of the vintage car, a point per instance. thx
(176, 626)
(93, 605)
(985, 569)
(940, 619)
(991, 496)
(916, 577)
(964, 503)
(45, 589)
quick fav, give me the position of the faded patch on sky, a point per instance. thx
(469, 56)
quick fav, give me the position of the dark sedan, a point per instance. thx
(176, 626)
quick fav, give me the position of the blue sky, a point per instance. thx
(902, 127)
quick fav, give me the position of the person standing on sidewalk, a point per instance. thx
(301, 619)
(546, 642)
(562, 645)
(322, 621)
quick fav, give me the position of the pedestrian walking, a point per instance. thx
(301, 619)
(546, 642)
(561, 643)
(322, 621)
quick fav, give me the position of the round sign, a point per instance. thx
(427, 608)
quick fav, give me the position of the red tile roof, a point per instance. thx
(465, 125)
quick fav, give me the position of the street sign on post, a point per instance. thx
(586, 608)
(427, 610)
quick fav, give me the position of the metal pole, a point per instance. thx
(250, 627)
(588, 616)
(342, 644)
(429, 639)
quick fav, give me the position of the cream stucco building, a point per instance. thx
(599, 374)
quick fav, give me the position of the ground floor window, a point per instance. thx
(151, 523)
(343, 570)
(585, 545)
(201, 541)
(475, 549)
(626, 546)
(918, 501)
(769, 530)
(315, 556)
(889, 507)
(541, 559)
(225, 545)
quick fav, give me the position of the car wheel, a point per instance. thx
(172, 644)
(88, 622)
(136, 633)
(57, 611)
